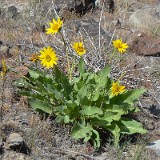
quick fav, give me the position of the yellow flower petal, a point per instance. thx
(120, 46)
(55, 26)
(34, 57)
(79, 48)
(48, 57)
(117, 89)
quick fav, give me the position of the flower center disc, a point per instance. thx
(119, 45)
(55, 27)
(80, 49)
(117, 89)
(48, 58)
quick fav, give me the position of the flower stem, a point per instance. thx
(68, 62)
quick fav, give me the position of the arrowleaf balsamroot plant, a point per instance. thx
(88, 102)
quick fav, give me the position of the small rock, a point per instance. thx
(12, 12)
(4, 51)
(14, 141)
(155, 146)
(7, 93)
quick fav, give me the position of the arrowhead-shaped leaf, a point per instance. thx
(89, 110)
(129, 126)
(79, 131)
(36, 104)
(34, 74)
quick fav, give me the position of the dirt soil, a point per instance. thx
(22, 33)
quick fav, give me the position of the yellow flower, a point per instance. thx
(79, 48)
(118, 44)
(48, 57)
(117, 89)
(55, 26)
(4, 69)
(34, 57)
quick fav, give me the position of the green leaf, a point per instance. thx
(128, 97)
(133, 95)
(103, 76)
(58, 95)
(80, 131)
(106, 119)
(112, 115)
(130, 126)
(82, 93)
(66, 119)
(115, 130)
(95, 139)
(62, 82)
(34, 74)
(36, 104)
(81, 66)
(26, 93)
(49, 88)
(96, 95)
(21, 82)
(89, 110)
(121, 108)
(60, 119)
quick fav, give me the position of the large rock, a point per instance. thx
(147, 19)
(145, 45)
(80, 6)
(14, 140)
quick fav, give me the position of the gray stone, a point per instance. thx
(155, 146)
(4, 50)
(14, 140)
(146, 19)
(4, 53)
(12, 12)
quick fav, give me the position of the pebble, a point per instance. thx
(4, 49)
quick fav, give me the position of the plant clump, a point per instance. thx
(88, 101)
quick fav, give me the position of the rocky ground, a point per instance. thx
(25, 135)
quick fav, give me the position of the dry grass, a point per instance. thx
(41, 135)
